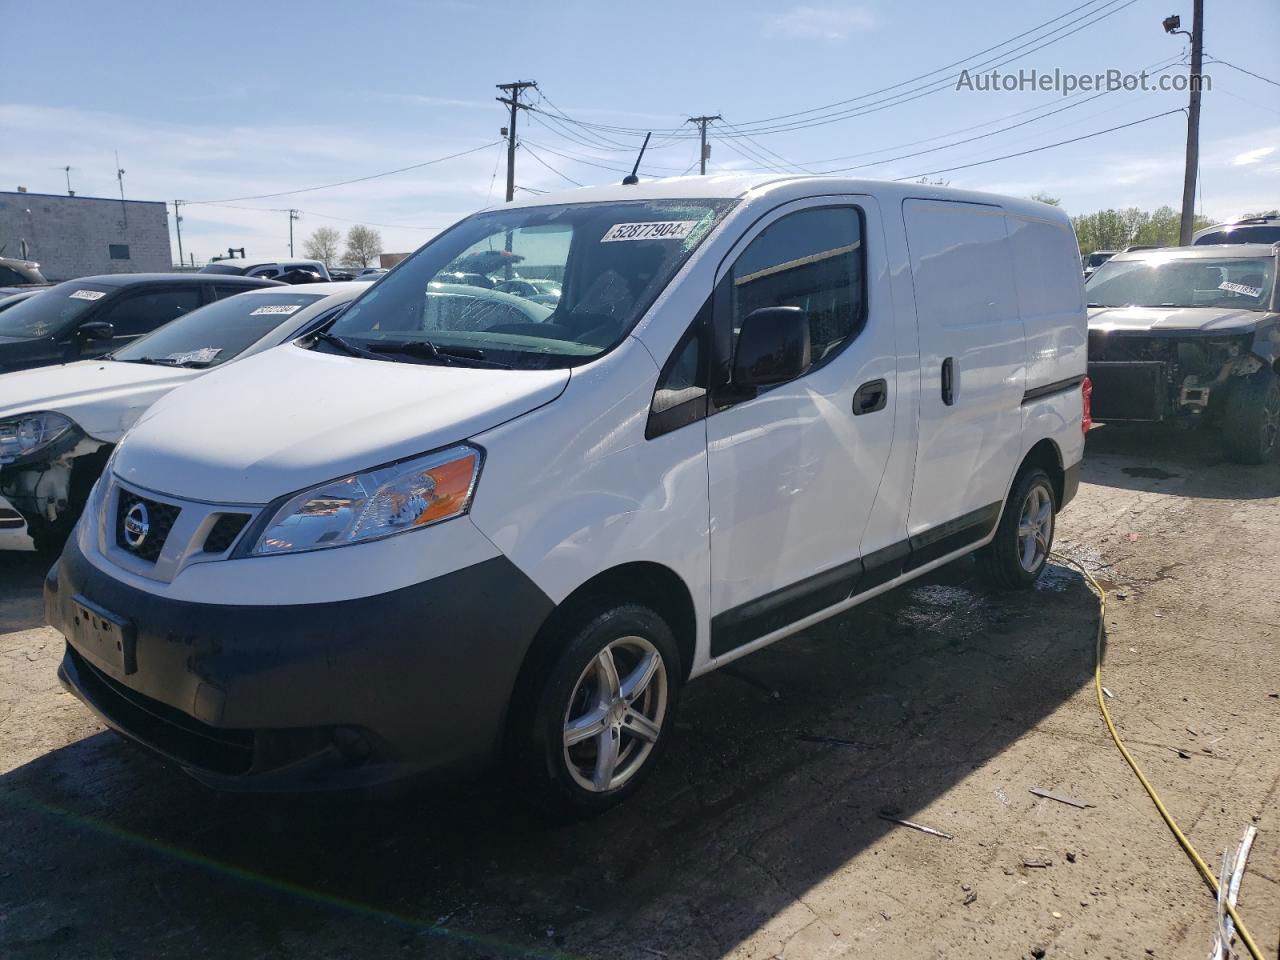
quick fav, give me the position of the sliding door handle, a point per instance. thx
(870, 397)
(949, 381)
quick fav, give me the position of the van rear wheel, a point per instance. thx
(1015, 557)
(604, 709)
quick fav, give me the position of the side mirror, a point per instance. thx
(96, 330)
(773, 347)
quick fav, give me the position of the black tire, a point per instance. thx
(1000, 562)
(1251, 418)
(569, 688)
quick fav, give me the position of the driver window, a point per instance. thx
(811, 259)
(142, 312)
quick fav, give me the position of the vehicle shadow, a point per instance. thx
(21, 581)
(1179, 461)
(775, 779)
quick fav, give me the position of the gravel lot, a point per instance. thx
(751, 841)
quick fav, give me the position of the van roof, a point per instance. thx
(727, 186)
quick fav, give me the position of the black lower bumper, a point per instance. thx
(1129, 391)
(312, 696)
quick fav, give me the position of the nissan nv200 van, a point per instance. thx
(444, 533)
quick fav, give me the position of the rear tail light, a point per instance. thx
(1086, 394)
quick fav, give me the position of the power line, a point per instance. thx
(758, 127)
(563, 176)
(1047, 146)
(343, 183)
(1257, 76)
(323, 216)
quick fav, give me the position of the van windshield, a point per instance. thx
(1244, 284)
(53, 312)
(609, 262)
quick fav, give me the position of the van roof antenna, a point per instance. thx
(631, 179)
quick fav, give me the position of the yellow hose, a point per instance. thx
(1181, 837)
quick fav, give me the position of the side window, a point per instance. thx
(812, 259)
(8, 276)
(268, 272)
(223, 290)
(142, 312)
(680, 398)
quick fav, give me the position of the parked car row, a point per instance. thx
(527, 512)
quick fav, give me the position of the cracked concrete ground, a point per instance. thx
(757, 838)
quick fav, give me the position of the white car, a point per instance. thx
(431, 540)
(58, 424)
(270, 269)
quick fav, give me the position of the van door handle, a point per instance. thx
(949, 381)
(870, 397)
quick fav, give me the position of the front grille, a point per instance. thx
(1130, 348)
(224, 532)
(166, 729)
(160, 520)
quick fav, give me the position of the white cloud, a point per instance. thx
(1252, 156)
(832, 24)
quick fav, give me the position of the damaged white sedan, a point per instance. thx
(58, 425)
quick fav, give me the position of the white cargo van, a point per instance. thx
(445, 533)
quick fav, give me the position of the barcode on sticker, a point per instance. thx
(88, 295)
(1240, 288)
(657, 230)
(280, 309)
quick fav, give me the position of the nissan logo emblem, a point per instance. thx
(137, 524)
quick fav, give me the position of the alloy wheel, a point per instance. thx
(615, 714)
(1035, 528)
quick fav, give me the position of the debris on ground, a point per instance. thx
(1038, 863)
(1060, 797)
(821, 738)
(1071, 857)
(970, 898)
(884, 815)
(1229, 890)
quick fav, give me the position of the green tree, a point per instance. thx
(1043, 197)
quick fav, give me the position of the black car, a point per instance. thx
(86, 318)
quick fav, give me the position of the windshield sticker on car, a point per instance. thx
(276, 309)
(88, 295)
(657, 230)
(1240, 288)
(203, 355)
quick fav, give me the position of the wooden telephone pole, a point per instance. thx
(513, 101)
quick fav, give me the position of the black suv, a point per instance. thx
(86, 318)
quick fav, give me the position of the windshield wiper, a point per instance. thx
(158, 361)
(448, 356)
(343, 344)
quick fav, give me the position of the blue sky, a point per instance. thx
(219, 102)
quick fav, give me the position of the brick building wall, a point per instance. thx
(82, 236)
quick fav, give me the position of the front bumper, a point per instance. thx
(308, 696)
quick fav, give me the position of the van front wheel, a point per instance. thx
(1014, 558)
(604, 710)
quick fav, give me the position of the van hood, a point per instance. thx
(103, 397)
(1174, 319)
(288, 418)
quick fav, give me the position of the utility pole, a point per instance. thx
(703, 151)
(177, 222)
(70, 192)
(1192, 169)
(513, 101)
(124, 210)
(293, 215)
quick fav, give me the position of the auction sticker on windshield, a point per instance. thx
(657, 230)
(282, 309)
(87, 295)
(1240, 288)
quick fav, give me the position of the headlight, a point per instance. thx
(20, 437)
(378, 503)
